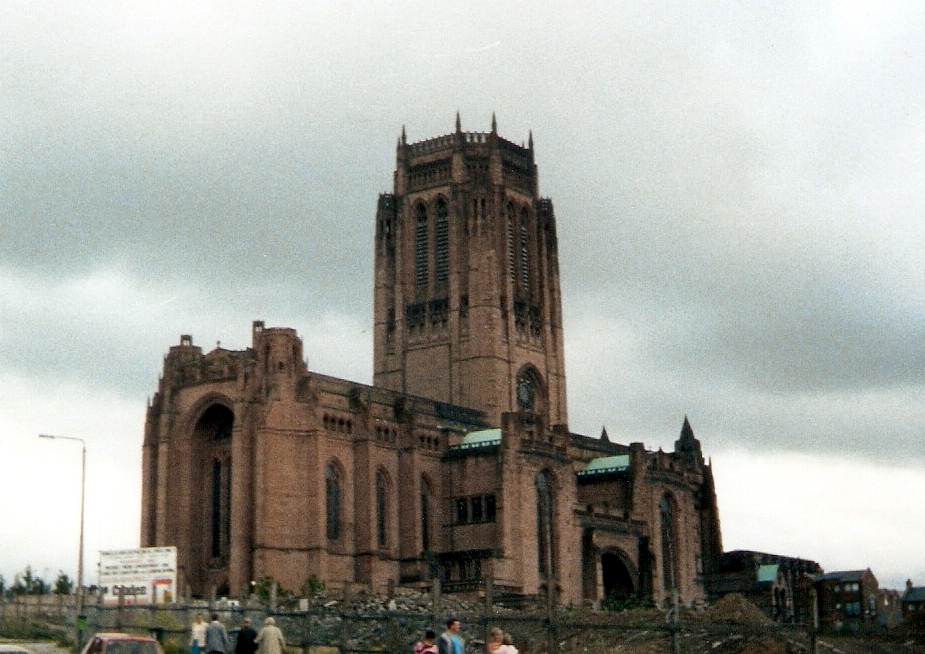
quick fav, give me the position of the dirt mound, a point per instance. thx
(735, 609)
(764, 646)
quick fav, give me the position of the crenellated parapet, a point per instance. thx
(185, 364)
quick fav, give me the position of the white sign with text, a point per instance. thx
(141, 576)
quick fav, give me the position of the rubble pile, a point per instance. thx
(402, 602)
(735, 609)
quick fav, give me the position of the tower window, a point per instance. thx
(421, 272)
(415, 316)
(441, 243)
(511, 244)
(439, 310)
(524, 255)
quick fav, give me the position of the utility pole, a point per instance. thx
(79, 617)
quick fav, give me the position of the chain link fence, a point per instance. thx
(331, 629)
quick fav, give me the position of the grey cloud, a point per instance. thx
(735, 192)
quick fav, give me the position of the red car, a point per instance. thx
(112, 643)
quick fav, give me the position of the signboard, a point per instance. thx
(143, 576)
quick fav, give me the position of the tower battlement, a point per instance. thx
(449, 142)
(474, 142)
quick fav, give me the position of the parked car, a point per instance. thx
(113, 643)
(13, 649)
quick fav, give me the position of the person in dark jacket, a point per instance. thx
(450, 641)
(246, 634)
(216, 637)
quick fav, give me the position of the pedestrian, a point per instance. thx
(270, 639)
(450, 641)
(245, 642)
(494, 640)
(427, 645)
(198, 639)
(216, 637)
(507, 645)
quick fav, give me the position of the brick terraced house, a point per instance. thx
(457, 465)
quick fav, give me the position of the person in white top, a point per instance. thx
(507, 645)
(198, 640)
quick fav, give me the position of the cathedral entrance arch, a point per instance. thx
(618, 582)
(212, 468)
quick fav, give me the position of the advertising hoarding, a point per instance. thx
(142, 576)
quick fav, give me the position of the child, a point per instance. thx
(507, 645)
(494, 640)
(427, 646)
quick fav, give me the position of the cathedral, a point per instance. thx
(456, 468)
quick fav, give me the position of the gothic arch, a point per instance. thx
(421, 246)
(530, 390)
(428, 508)
(546, 536)
(511, 237)
(382, 501)
(334, 480)
(525, 255)
(668, 529)
(191, 418)
(619, 577)
(441, 242)
(211, 422)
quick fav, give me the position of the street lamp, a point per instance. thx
(79, 603)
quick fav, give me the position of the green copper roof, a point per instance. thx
(481, 438)
(914, 594)
(604, 464)
(767, 574)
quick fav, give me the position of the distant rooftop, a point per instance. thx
(914, 594)
(842, 575)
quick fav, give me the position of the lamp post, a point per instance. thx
(79, 603)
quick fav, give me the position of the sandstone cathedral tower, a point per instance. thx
(468, 306)
(456, 467)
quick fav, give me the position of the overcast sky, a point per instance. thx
(739, 190)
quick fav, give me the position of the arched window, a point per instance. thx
(442, 243)
(425, 516)
(512, 244)
(382, 503)
(214, 428)
(524, 255)
(332, 501)
(545, 536)
(669, 557)
(421, 272)
(220, 507)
